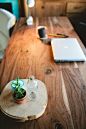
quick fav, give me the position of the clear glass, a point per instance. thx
(32, 88)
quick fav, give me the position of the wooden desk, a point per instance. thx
(65, 82)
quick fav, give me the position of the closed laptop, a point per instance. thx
(67, 49)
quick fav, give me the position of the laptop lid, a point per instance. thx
(67, 49)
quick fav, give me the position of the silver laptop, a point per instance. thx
(67, 49)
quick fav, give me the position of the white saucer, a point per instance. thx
(43, 37)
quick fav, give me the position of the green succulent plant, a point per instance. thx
(19, 92)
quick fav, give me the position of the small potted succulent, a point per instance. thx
(17, 82)
(19, 93)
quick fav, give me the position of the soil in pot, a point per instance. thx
(19, 99)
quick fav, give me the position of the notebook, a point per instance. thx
(67, 49)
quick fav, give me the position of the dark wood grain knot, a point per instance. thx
(42, 7)
(58, 126)
(48, 71)
(44, 1)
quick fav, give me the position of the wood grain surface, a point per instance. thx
(65, 82)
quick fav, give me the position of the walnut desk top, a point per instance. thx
(65, 82)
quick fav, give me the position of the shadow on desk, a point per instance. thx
(46, 41)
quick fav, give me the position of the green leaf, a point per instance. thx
(17, 80)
